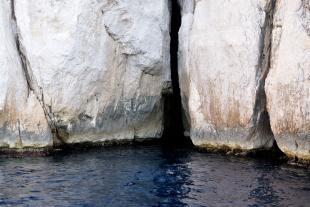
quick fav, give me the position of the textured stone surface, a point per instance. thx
(95, 70)
(222, 72)
(97, 67)
(22, 120)
(288, 82)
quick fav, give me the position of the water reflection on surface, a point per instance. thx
(150, 176)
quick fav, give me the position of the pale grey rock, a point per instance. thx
(95, 69)
(22, 119)
(222, 72)
(288, 82)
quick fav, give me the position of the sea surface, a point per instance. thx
(150, 176)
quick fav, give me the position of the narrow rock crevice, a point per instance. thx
(20, 50)
(173, 124)
(31, 83)
(260, 120)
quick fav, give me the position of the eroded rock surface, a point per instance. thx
(223, 66)
(93, 71)
(22, 119)
(96, 68)
(288, 83)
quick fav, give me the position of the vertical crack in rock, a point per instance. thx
(20, 50)
(260, 128)
(31, 83)
(173, 124)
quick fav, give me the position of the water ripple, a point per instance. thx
(150, 176)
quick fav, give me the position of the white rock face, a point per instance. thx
(22, 120)
(221, 72)
(95, 70)
(98, 67)
(288, 82)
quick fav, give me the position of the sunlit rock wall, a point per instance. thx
(92, 71)
(288, 82)
(96, 68)
(222, 72)
(22, 119)
(245, 74)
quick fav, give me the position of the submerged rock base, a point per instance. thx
(78, 147)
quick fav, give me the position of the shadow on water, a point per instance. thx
(173, 178)
(150, 176)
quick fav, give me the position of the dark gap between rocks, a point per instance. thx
(173, 124)
(263, 121)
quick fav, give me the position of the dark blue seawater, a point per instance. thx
(150, 176)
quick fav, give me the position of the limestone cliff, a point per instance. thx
(288, 83)
(99, 70)
(22, 119)
(222, 72)
(91, 70)
(228, 50)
